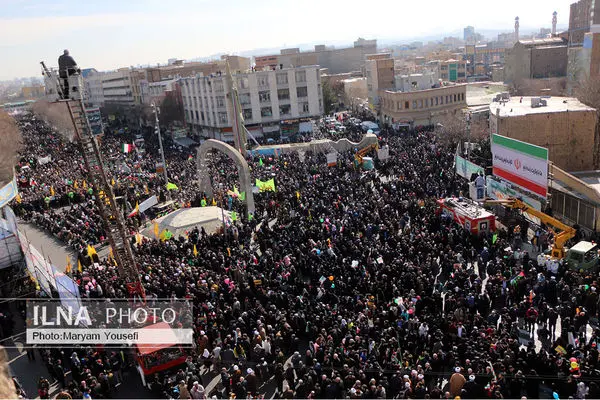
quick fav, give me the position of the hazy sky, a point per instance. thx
(109, 34)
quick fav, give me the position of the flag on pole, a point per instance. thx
(69, 267)
(265, 186)
(494, 238)
(76, 185)
(203, 203)
(79, 266)
(18, 198)
(112, 182)
(195, 251)
(213, 203)
(84, 184)
(135, 211)
(91, 250)
(260, 162)
(156, 231)
(138, 238)
(126, 148)
(110, 253)
(51, 190)
(242, 196)
(172, 186)
(233, 216)
(298, 195)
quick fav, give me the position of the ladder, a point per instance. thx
(114, 223)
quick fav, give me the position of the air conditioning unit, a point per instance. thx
(536, 102)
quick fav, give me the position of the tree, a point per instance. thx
(329, 97)
(10, 143)
(56, 115)
(171, 111)
(451, 130)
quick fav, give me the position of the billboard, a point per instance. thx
(8, 192)
(95, 120)
(520, 163)
(466, 168)
(500, 190)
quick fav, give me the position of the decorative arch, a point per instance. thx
(237, 158)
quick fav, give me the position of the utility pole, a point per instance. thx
(469, 136)
(162, 152)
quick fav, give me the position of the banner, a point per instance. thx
(331, 159)
(500, 190)
(8, 192)
(265, 186)
(521, 163)
(383, 153)
(44, 160)
(466, 168)
(149, 202)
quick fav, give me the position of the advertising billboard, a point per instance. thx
(520, 163)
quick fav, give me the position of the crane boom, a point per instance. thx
(560, 238)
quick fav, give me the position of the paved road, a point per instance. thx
(50, 247)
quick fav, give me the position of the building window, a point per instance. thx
(244, 98)
(427, 103)
(285, 109)
(399, 106)
(218, 86)
(300, 76)
(264, 96)
(243, 83)
(196, 114)
(262, 80)
(455, 97)
(283, 94)
(304, 108)
(420, 103)
(282, 79)
(247, 114)
(220, 101)
(222, 117)
(414, 104)
(437, 100)
(406, 105)
(202, 115)
(302, 91)
(266, 112)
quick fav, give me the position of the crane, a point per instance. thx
(112, 217)
(562, 232)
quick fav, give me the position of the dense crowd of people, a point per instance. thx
(346, 283)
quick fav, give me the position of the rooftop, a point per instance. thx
(544, 41)
(519, 106)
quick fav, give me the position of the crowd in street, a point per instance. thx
(351, 275)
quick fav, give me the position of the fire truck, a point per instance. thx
(468, 214)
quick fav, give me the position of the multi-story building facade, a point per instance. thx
(117, 87)
(379, 69)
(422, 107)
(481, 58)
(273, 102)
(536, 59)
(336, 61)
(584, 17)
(449, 70)
(94, 93)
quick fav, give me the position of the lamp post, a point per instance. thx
(156, 111)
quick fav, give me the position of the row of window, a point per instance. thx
(424, 103)
(265, 112)
(263, 96)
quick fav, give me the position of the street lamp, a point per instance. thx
(156, 111)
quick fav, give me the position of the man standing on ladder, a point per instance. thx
(66, 67)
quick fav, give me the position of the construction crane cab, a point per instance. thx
(582, 256)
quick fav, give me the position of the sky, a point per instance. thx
(110, 34)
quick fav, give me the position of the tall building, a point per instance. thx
(94, 93)
(468, 34)
(379, 69)
(584, 17)
(335, 60)
(536, 59)
(274, 103)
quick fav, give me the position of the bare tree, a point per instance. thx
(10, 143)
(57, 115)
(451, 129)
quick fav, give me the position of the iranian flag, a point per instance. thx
(127, 148)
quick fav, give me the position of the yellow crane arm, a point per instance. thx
(566, 232)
